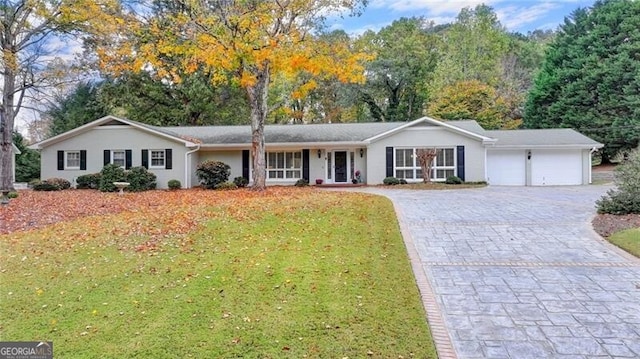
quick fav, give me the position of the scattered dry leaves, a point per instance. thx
(149, 210)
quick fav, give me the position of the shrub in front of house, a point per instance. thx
(302, 183)
(88, 181)
(241, 182)
(110, 173)
(51, 184)
(174, 184)
(391, 181)
(625, 199)
(453, 180)
(213, 173)
(140, 179)
(226, 186)
(44, 186)
(12, 195)
(402, 181)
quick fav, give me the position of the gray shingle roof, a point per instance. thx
(541, 138)
(336, 132)
(357, 132)
(469, 125)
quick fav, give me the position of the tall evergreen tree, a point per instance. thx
(27, 162)
(590, 79)
(79, 107)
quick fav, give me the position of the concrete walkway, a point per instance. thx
(519, 273)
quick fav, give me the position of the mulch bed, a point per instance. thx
(607, 224)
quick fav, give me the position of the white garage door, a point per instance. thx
(506, 168)
(556, 167)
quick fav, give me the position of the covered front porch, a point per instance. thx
(339, 166)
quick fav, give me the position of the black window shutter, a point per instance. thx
(127, 159)
(389, 161)
(460, 162)
(60, 160)
(107, 157)
(145, 159)
(245, 164)
(305, 165)
(168, 160)
(83, 160)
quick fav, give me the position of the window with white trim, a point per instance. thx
(72, 160)
(408, 167)
(444, 165)
(118, 158)
(157, 158)
(284, 165)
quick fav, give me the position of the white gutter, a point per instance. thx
(187, 179)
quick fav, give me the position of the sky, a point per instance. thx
(516, 15)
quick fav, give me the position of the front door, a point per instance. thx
(340, 166)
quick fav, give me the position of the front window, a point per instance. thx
(118, 158)
(72, 160)
(157, 158)
(408, 167)
(284, 165)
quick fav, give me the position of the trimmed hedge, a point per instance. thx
(241, 182)
(88, 181)
(174, 184)
(51, 184)
(110, 173)
(140, 179)
(212, 173)
(391, 181)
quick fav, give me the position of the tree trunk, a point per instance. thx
(258, 93)
(6, 126)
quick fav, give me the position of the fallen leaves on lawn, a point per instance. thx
(33, 209)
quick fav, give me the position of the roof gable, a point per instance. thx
(466, 128)
(110, 121)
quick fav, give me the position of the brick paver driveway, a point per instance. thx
(519, 273)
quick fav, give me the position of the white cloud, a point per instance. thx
(432, 7)
(513, 17)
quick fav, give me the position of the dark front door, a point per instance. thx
(341, 166)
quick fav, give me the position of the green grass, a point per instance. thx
(311, 274)
(629, 240)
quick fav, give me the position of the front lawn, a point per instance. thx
(629, 240)
(291, 273)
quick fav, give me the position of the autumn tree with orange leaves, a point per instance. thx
(26, 66)
(248, 41)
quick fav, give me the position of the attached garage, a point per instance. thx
(506, 167)
(551, 157)
(556, 167)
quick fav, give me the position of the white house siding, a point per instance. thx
(426, 137)
(120, 137)
(317, 166)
